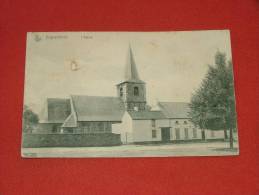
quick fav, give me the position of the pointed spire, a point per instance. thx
(131, 73)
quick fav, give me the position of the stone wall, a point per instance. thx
(70, 140)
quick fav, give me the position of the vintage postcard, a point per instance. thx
(129, 94)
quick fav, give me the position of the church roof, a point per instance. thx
(55, 110)
(146, 115)
(174, 109)
(97, 108)
(131, 72)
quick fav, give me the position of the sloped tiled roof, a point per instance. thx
(146, 115)
(97, 108)
(174, 109)
(70, 121)
(56, 110)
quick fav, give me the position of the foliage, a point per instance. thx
(213, 104)
(30, 119)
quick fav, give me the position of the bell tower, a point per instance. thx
(132, 90)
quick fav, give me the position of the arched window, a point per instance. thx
(121, 92)
(136, 91)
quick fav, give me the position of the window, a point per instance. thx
(136, 91)
(92, 127)
(153, 122)
(185, 122)
(86, 128)
(107, 127)
(177, 122)
(121, 92)
(132, 106)
(177, 133)
(100, 126)
(95, 127)
(153, 133)
(194, 133)
(70, 130)
(54, 129)
(186, 133)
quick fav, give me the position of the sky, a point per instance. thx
(172, 64)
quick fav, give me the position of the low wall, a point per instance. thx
(70, 140)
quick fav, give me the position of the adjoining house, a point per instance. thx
(127, 114)
(170, 123)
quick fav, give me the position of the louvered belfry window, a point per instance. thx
(136, 91)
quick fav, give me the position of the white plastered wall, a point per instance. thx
(124, 129)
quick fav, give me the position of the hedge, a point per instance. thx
(33, 140)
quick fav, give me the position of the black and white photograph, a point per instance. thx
(129, 94)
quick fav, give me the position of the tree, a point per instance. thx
(213, 104)
(30, 119)
(198, 107)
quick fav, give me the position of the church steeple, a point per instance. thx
(131, 72)
(132, 91)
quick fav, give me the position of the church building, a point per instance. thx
(127, 114)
